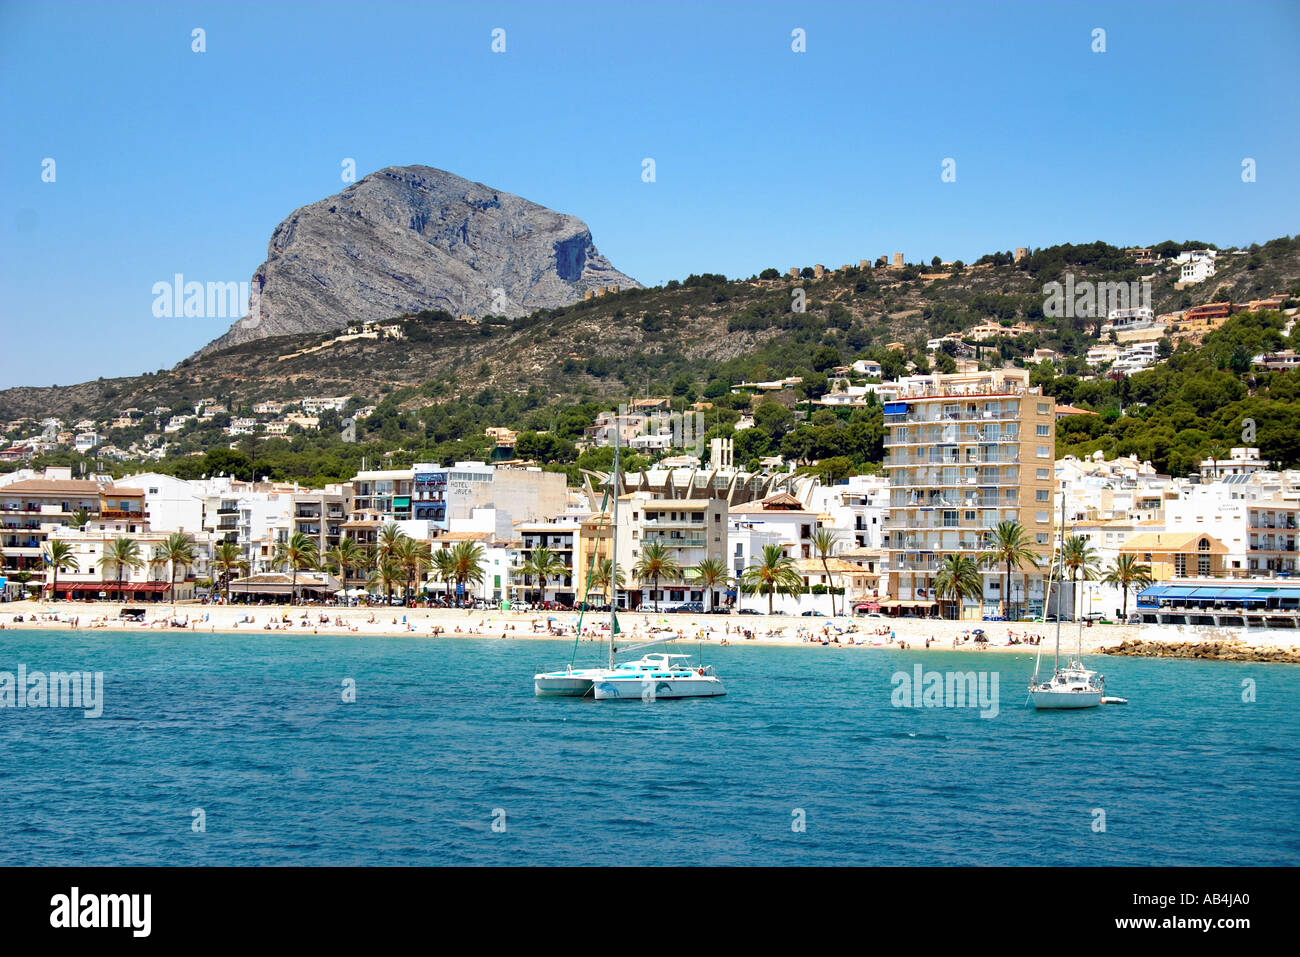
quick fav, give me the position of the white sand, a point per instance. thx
(774, 630)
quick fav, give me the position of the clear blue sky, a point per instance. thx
(172, 161)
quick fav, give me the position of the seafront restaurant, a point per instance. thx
(1261, 603)
(279, 587)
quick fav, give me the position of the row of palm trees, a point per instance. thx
(124, 555)
(395, 560)
(959, 576)
(398, 561)
(773, 574)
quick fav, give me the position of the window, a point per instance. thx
(1043, 473)
(1044, 452)
(1040, 538)
(1042, 495)
(1041, 517)
(1044, 431)
(1044, 408)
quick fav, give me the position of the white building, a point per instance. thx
(1240, 461)
(1102, 353)
(1136, 357)
(1196, 271)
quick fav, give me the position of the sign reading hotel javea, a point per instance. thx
(179, 299)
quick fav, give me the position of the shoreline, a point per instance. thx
(909, 634)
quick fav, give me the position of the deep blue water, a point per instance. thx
(253, 730)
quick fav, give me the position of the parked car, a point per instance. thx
(748, 611)
(814, 614)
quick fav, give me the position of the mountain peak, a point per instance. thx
(408, 238)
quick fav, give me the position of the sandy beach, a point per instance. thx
(909, 633)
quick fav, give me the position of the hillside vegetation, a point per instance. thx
(551, 372)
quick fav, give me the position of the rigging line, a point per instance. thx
(591, 571)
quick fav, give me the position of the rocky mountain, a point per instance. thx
(412, 238)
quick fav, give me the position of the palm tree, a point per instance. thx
(958, 577)
(444, 567)
(177, 550)
(80, 518)
(543, 563)
(386, 545)
(775, 572)
(1078, 561)
(824, 541)
(386, 575)
(387, 541)
(414, 558)
(299, 553)
(656, 562)
(709, 574)
(59, 555)
(1127, 573)
(1010, 546)
(467, 564)
(344, 557)
(124, 553)
(600, 580)
(226, 561)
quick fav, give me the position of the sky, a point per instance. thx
(167, 160)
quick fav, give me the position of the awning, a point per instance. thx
(894, 408)
(96, 587)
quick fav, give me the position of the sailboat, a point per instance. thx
(648, 679)
(1073, 686)
(577, 682)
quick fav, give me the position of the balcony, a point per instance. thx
(115, 514)
(675, 542)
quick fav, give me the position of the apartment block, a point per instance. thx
(32, 509)
(964, 453)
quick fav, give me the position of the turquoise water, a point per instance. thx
(253, 730)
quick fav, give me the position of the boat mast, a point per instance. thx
(613, 550)
(1056, 661)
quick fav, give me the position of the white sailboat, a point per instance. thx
(648, 679)
(659, 676)
(1073, 686)
(577, 683)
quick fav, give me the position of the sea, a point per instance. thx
(275, 749)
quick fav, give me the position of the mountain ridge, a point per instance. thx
(410, 238)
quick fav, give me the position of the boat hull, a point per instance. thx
(1053, 700)
(636, 689)
(562, 684)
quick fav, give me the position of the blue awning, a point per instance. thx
(893, 408)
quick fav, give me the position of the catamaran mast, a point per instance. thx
(1056, 661)
(613, 551)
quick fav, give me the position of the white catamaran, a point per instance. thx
(652, 677)
(1073, 686)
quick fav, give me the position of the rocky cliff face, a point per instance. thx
(409, 238)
